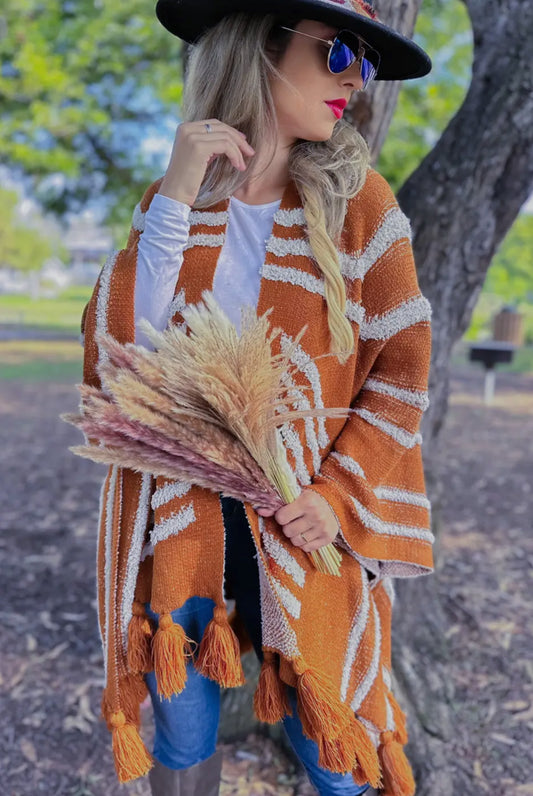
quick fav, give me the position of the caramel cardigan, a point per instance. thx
(162, 541)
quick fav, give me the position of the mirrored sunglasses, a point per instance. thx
(344, 50)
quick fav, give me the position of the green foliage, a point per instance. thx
(21, 248)
(425, 106)
(509, 281)
(81, 81)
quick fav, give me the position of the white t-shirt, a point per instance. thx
(160, 256)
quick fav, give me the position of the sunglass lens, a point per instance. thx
(344, 53)
(341, 56)
(368, 71)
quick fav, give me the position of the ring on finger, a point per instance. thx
(208, 127)
(303, 537)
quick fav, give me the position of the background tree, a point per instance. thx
(83, 85)
(21, 248)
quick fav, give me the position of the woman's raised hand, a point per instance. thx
(194, 149)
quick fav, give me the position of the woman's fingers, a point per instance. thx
(194, 149)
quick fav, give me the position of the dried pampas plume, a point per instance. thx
(204, 407)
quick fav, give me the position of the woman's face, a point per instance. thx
(301, 107)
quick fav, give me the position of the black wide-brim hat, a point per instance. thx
(401, 58)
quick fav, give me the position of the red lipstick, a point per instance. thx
(337, 106)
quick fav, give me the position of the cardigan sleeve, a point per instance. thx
(373, 476)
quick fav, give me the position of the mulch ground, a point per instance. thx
(51, 740)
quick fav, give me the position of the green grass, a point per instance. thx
(41, 360)
(62, 314)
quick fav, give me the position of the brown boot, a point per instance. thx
(202, 779)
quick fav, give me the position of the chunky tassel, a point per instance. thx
(140, 633)
(397, 773)
(336, 755)
(317, 704)
(400, 721)
(366, 754)
(131, 757)
(170, 646)
(219, 655)
(271, 702)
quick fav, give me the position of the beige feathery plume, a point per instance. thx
(207, 403)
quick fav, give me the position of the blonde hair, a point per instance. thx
(227, 78)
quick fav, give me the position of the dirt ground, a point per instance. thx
(51, 740)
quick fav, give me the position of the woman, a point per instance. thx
(262, 131)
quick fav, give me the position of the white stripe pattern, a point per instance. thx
(138, 221)
(418, 398)
(103, 301)
(348, 463)
(278, 273)
(364, 687)
(356, 634)
(173, 524)
(292, 441)
(355, 312)
(402, 496)
(304, 362)
(101, 543)
(351, 267)
(178, 304)
(281, 555)
(205, 239)
(301, 402)
(275, 629)
(170, 491)
(110, 506)
(290, 218)
(394, 227)
(399, 434)
(383, 327)
(295, 247)
(208, 218)
(289, 601)
(376, 524)
(387, 679)
(134, 554)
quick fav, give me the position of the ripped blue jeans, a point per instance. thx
(186, 726)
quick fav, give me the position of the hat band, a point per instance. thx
(360, 6)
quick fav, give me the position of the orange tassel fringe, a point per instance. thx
(131, 757)
(140, 633)
(271, 702)
(341, 738)
(397, 773)
(400, 721)
(170, 647)
(219, 655)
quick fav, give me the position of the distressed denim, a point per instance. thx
(186, 726)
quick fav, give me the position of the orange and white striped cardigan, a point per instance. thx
(162, 541)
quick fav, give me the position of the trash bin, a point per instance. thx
(508, 326)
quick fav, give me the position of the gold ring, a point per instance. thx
(303, 537)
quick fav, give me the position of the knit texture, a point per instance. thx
(162, 541)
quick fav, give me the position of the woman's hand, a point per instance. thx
(311, 514)
(194, 149)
